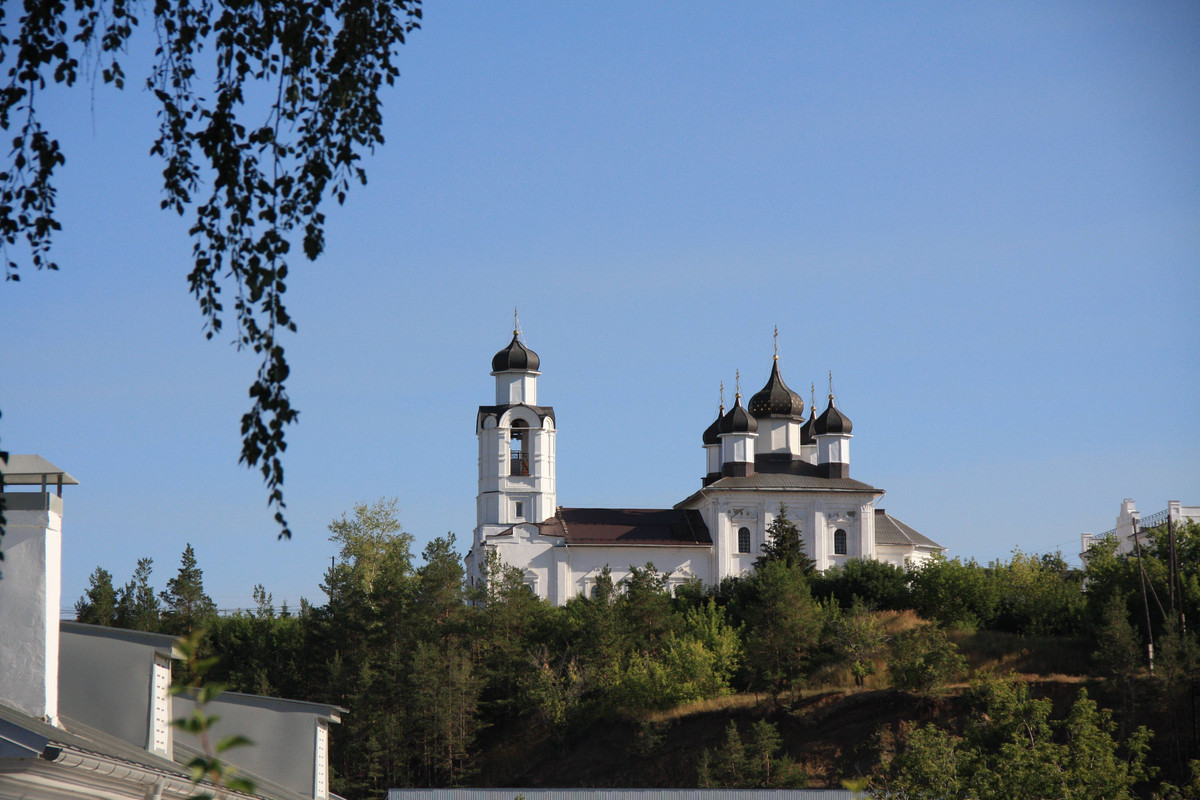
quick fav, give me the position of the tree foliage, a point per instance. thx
(756, 762)
(435, 673)
(292, 106)
(137, 606)
(923, 659)
(877, 584)
(856, 638)
(1011, 748)
(186, 607)
(98, 606)
(784, 543)
(783, 626)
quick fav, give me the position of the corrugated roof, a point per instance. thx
(633, 526)
(889, 530)
(78, 736)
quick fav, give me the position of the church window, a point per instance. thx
(743, 540)
(839, 542)
(518, 453)
(519, 509)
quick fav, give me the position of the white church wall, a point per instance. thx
(892, 554)
(586, 563)
(816, 517)
(558, 573)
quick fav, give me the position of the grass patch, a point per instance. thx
(1028, 655)
(726, 703)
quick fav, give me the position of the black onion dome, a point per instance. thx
(515, 357)
(737, 420)
(712, 434)
(776, 399)
(833, 421)
(808, 430)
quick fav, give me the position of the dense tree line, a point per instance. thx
(429, 667)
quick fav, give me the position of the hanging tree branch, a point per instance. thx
(253, 177)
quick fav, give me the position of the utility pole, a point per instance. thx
(1145, 601)
(1176, 581)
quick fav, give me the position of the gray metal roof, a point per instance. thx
(30, 470)
(783, 481)
(889, 530)
(28, 733)
(160, 641)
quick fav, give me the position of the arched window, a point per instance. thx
(839, 542)
(518, 453)
(743, 540)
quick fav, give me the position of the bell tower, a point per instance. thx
(516, 447)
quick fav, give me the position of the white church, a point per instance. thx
(758, 456)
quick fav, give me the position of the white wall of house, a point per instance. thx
(30, 593)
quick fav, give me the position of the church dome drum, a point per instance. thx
(515, 357)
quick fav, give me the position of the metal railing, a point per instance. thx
(1143, 523)
(518, 463)
(1154, 520)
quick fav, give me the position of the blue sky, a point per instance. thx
(984, 219)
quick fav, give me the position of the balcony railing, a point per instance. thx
(518, 464)
(1154, 520)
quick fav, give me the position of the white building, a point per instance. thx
(758, 457)
(1131, 524)
(86, 710)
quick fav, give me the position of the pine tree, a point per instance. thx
(98, 606)
(186, 606)
(1119, 653)
(784, 544)
(783, 626)
(137, 606)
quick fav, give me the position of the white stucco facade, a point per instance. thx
(1131, 524)
(757, 460)
(30, 593)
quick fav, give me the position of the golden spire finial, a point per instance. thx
(737, 377)
(722, 397)
(812, 398)
(516, 323)
(831, 387)
(776, 342)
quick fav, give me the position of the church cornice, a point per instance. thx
(542, 412)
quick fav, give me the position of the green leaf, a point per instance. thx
(234, 740)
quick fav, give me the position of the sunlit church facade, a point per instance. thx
(758, 457)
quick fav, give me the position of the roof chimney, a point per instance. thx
(31, 587)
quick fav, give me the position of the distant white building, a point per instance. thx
(1130, 522)
(757, 458)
